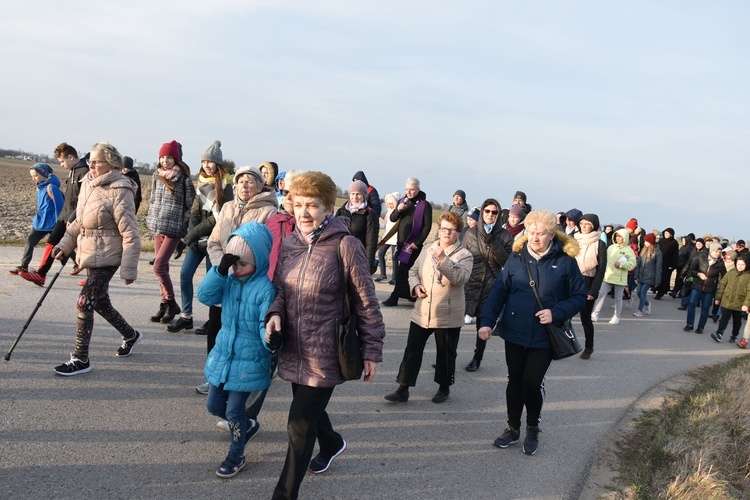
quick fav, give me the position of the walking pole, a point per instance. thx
(38, 305)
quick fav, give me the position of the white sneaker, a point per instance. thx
(648, 308)
(638, 314)
(222, 425)
(629, 302)
(615, 320)
(469, 320)
(594, 317)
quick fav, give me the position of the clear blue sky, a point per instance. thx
(630, 109)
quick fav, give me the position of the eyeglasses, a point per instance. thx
(493, 212)
(98, 163)
(284, 192)
(448, 230)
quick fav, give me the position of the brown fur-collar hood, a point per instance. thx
(569, 245)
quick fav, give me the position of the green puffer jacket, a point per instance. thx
(734, 290)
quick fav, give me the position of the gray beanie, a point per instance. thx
(213, 153)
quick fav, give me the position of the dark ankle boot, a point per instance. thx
(160, 313)
(400, 396)
(172, 310)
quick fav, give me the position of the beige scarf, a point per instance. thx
(588, 257)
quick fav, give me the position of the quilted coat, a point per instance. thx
(240, 358)
(169, 214)
(105, 230)
(309, 303)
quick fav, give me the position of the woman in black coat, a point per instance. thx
(364, 222)
(670, 252)
(490, 245)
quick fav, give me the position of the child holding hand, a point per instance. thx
(239, 363)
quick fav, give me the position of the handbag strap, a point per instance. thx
(342, 279)
(532, 284)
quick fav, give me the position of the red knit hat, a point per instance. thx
(173, 149)
(632, 224)
(651, 238)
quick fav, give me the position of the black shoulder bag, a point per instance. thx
(351, 362)
(562, 338)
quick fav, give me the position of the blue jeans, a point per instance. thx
(394, 260)
(706, 300)
(230, 406)
(190, 265)
(643, 289)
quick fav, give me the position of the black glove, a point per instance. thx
(226, 263)
(276, 338)
(489, 238)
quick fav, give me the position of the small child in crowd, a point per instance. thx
(734, 297)
(239, 363)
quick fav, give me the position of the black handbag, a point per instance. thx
(562, 338)
(351, 362)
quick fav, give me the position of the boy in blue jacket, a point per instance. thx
(239, 362)
(49, 203)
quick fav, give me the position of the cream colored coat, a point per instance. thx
(105, 231)
(259, 209)
(445, 305)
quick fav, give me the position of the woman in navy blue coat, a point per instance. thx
(550, 257)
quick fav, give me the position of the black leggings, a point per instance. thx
(526, 371)
(736, 321)
(588, 325)
(95, 298)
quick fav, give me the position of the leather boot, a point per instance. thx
(474, 365)
(160, 313)
(172, 310)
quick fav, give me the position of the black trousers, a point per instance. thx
(307, 422)
(736, 321)
(588, 325)
(401, 289)
(446, 341)
(526, 371)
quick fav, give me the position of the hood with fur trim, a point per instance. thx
(569, 245)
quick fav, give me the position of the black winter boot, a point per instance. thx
(172, 310)
(160, 313)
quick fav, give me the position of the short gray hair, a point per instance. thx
(110, 152)
(413, 181)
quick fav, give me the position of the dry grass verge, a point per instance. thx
(697, 445)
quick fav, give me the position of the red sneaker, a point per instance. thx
(742, 344)
(82, 282)
(33, 276)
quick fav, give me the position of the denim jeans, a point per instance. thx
(190, 265)
(394, 260)
(230, 405)
(706, 300)
(643, 289)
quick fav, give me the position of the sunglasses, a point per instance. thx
(493, 212)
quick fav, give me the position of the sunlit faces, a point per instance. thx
(513, 220)
(241, 268)
(411, 190)
(36, 176)
(586, 226)
(618, 238)
(166, 162)
(310, 212)
(98, 164)
(390, 203)
(355, 197)
(287, 201)
(209, 167)
(715, 253)
(539, 237)
(457, 200)
(447, 233)
(489, 214)
(246, 186)
(68, 162)
(266, 174)
(740, 265)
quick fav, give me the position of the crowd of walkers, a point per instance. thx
(280, 257)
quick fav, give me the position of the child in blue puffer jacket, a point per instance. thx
(239, 362)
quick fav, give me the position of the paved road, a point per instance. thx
(136, 428)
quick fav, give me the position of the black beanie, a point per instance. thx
(520, 195)
(461, 193)
(592, 218)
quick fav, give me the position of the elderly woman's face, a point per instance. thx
(310, 212)
(489, 214)
(356, 197)
(447, 233)
(390, 203)
(98, 164)
(539, 237)
(513, 220)
(247, 187)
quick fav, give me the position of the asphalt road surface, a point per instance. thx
(136, 428)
